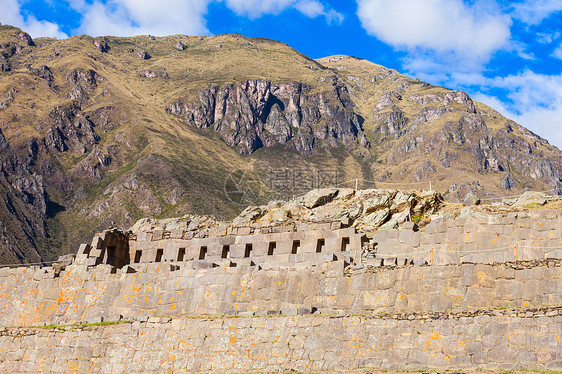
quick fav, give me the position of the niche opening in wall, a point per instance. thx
(138, 255)
(271, 248)
(345, 244)
(181, 254)
(159, 253)
(202, 253)
(110, 253)
(296, 247)
(225, 251)
(364, 241)
(248, 250)
(320, 244)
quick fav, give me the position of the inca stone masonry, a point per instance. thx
(483, 291)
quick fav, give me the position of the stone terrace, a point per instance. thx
(476, 291)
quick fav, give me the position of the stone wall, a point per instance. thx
(505, 339)
(267, 247)
(482, 291)
(481, 238)
(81, 294)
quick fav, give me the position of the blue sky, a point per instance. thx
(507, 54)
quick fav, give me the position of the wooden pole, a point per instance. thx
(431, 257)
(356, 184)
(431, 189)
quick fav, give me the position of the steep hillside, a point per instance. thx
(100, 132)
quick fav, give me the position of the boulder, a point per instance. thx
(377, 202)
(471, 199)
(376, 219)
(396, 220)
(319, 197)
(531, 197)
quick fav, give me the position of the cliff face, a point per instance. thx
(99, 132)
(23, 208)
(256, 114)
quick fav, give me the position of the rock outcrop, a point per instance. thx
(67, 128)
(23, 208)
(256, 114)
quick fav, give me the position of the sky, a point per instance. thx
(507, 54)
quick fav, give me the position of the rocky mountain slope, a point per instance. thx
(99, 132)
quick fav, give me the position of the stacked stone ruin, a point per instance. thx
(478, 291)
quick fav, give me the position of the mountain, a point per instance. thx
(99, 132)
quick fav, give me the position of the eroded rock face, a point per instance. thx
(83, 81)
(67, 128)
(391, 121)
(23, 206)
(487, 151)
(101, 45)
(26, 38)
(255, 114)
(43, 72)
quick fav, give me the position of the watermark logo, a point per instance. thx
(243, 187)
(267, 184)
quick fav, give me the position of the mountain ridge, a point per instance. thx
(121, 128)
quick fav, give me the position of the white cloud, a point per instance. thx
(533, 12)
(558, 52)
(547, 38)
(167, 17)
(312, 9)
(11, 15)
(257, 8)
(441, 26)
(134, 17)
(534, 101)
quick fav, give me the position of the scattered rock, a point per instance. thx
(471, 199)
(160, 73)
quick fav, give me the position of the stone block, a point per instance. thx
(553, 254)
(502, 354)
(201, 264)
(374, 262)
(335, 225)
(301, 226)
(176, 234)
(408, 225)
(157, 235)
(244, 231)
(84, 249)
(390, 247)
(409, 238)
(380, 236)
(419, 262)
(93, 261)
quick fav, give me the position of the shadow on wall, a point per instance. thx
(110, 247)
